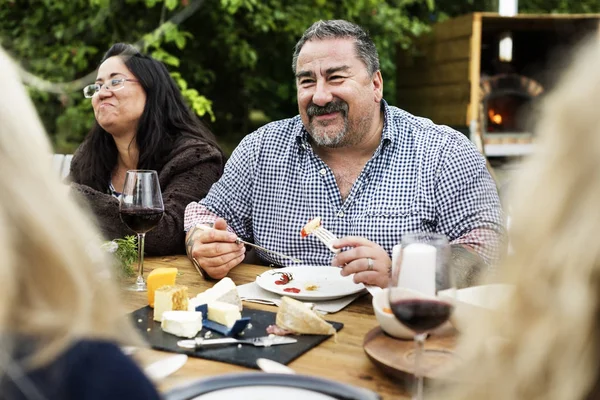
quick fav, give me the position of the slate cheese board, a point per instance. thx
(244, 355)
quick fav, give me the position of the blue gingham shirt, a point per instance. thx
(422, 178)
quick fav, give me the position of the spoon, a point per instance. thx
(273, 367)
(159, 370)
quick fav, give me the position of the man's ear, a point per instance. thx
(377, 86)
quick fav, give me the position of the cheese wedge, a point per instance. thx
(224, 291)
(295, 316)
(182, 323)
(170, 298)
(157, 278)
(223, 313)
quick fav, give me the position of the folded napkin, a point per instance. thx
(253, 293)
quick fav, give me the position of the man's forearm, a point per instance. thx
(467, 266)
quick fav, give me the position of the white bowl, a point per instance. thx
(476, 302)
(389, 324)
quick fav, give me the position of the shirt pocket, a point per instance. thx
(388, 214)
(390, 201)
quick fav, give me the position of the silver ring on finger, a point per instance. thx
(369, 264)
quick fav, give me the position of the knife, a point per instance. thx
(238, 241)
(263, 341)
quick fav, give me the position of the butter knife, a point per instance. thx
(263, 341)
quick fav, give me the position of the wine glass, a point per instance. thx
(141, 208)
(421, 270)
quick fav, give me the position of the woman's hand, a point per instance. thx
(368, 261)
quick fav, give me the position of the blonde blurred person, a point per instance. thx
(60, 317)
(545, 343)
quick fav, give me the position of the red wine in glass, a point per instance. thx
(142, 220)
(420, 270)
(141, 209)
(421, 315)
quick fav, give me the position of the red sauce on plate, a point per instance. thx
(292, 290)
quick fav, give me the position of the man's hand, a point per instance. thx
(368, 261)
(214, 249)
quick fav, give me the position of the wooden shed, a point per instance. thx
(453, 74)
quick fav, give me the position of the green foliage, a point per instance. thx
(62, 42)
(559, 6)
(125, 253)
(231, 58)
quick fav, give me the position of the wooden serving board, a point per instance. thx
(396, 357)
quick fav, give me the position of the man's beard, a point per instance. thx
(320, 134)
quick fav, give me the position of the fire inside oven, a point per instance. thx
(507, 101)
(504, 112)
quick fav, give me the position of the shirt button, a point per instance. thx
(340, 214)
(323, 171)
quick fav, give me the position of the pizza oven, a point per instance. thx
(483, 73)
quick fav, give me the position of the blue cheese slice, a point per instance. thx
(182, 323)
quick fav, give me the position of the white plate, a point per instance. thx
(327, 280)
(259, 386)
(264, 392)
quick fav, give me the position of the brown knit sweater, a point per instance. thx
(192, 167)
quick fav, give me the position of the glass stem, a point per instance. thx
(140, 278)
(419, 348)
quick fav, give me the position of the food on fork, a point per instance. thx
(315, 227)
(310, 226)
(160, 277)
(182, 323)
(295, 317)
(170, 298)
(225, 291)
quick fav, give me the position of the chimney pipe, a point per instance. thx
(507, 8)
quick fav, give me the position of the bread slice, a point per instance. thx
(295, 316)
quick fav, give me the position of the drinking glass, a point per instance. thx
(421, 270)
(141, 208)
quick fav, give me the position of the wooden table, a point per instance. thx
(344, 361)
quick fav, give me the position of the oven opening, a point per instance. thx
(504, 113)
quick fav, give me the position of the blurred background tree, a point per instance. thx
(231, 58)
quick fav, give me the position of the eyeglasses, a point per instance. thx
(113, 85)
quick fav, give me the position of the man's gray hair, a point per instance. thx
(338, 29)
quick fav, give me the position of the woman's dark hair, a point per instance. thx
(165, 119)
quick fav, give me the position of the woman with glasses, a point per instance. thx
(142, 122)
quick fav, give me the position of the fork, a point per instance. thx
(327, 237)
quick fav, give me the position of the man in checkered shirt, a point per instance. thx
(371, 171)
